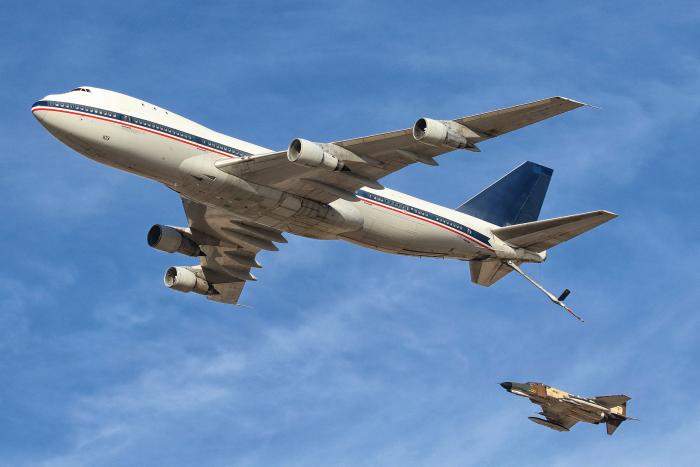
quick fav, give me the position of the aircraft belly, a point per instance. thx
(205, 184)
(588, 416)
(582, 413)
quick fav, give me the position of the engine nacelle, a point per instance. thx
(312, 154)
(183, 279)
(443, 133)
(171, 240)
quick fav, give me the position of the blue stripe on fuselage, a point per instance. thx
(426, 215)
(142, 123)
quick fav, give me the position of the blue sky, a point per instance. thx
(349, 356)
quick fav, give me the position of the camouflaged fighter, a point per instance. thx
(563, 410)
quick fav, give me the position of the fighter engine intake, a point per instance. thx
(444, 133)
(312, 154)
(171, 240)
(183, 279)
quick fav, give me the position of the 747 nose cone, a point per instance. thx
(36, 109)
(507, 386)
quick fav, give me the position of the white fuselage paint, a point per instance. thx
(155, 143)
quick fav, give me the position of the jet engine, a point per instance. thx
(443, 133)
(171, 240)
(312, 154)
(184, 279)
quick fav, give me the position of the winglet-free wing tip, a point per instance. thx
(577, 103)
(607, 214)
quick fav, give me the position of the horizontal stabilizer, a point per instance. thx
(541, 235)
(611, 401)
(487, 272)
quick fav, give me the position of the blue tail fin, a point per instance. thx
(514, 199)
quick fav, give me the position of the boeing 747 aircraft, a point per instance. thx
(239, 198)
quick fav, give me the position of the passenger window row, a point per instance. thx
(149, 124)
(422, 213)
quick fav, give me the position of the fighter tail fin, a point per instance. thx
(618, 410)
(612, 424)
(514, 199)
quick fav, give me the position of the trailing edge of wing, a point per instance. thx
(498, 122)
(229, 247)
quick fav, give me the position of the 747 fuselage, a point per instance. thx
(149, 141)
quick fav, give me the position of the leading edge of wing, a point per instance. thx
(565, 104)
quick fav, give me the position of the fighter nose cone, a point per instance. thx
(507, 386)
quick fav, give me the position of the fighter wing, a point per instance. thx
(229, 247)
(558, 417)
(366, 160)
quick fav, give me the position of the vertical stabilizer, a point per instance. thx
(618, 410)
(612, 424)
(514, 199)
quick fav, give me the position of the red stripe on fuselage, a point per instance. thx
(203, 148)
(120, 122)
(461, 234)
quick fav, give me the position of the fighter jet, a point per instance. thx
(563, 410)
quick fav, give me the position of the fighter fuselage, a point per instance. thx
(560, 402)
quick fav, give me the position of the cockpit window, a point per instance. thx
(80, 89)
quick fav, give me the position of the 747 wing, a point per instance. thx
(325, 172)
(226, 248)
